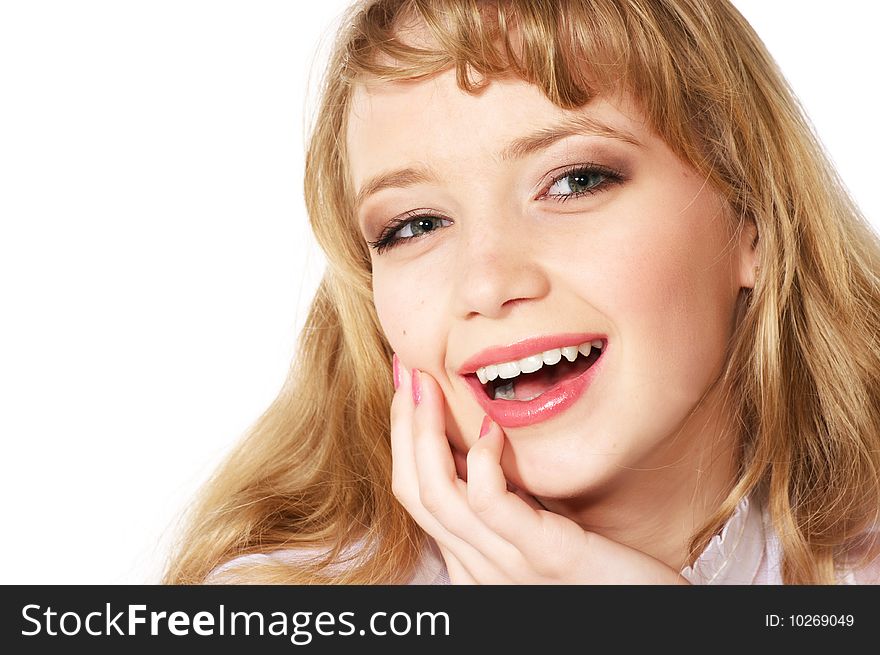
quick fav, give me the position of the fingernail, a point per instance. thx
(396, 372)
(486, 426)
(416, 386)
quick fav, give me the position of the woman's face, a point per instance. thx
(513, 239)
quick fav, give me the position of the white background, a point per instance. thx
(155, 258)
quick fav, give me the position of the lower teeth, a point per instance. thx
(506, 392)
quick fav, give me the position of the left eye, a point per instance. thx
(578, 182)
(421, 225)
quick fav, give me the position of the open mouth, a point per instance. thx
(528, 386)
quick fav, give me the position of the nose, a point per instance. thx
(498, 267)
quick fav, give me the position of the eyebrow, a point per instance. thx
(519, 148)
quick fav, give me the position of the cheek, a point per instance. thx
(392, 311)
(415, 321)
(671, 296)
(405, 311)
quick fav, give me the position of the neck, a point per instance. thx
(662, 500)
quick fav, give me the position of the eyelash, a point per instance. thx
(612, 177)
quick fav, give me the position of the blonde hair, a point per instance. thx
(803, 371)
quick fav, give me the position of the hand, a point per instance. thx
(488, 531)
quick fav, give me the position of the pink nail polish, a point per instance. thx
(486, 426)
(396, 371)
(416, 386)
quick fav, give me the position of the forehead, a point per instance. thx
(432, 120)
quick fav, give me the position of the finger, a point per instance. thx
(403, 463)
(458, 574)
(460, 464)
(404, 475)
(513, 515)
(406, 484)
(440, 490)
(526, 497)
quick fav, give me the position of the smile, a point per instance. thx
(523, 390)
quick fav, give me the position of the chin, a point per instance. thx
(558, 473)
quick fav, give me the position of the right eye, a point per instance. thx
(407, 228)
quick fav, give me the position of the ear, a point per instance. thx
(748, 254)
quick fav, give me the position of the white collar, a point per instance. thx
(734, 556)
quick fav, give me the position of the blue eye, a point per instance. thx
(583, 180)
(417, 225)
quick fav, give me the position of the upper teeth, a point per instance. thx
(532, 363)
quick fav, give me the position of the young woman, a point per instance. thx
(629, 310)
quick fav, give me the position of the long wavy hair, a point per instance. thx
(802, 377)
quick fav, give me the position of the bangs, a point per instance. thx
(573, 50)
(549, 44)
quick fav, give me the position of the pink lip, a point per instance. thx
(551, 403)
